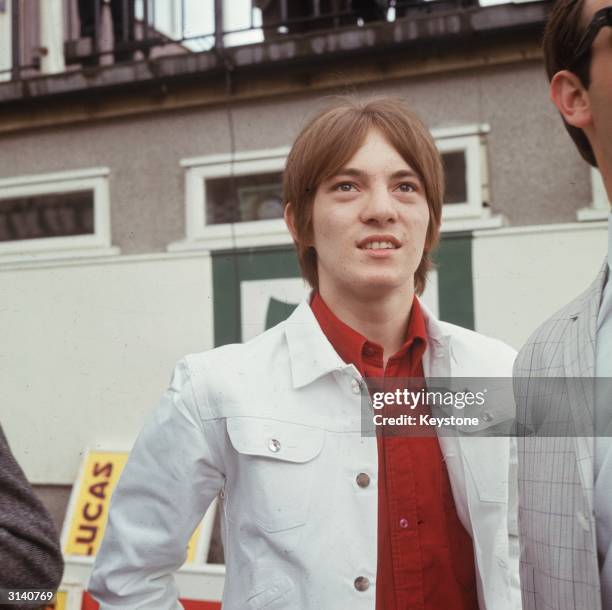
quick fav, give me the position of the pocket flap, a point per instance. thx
(275, 439)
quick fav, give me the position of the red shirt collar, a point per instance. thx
(352, 347)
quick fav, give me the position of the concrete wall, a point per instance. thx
(535, 173)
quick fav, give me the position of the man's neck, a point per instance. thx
(382, 319)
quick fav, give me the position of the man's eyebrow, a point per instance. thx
(358, 173)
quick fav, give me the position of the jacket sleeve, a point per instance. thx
(170, 479)
(30, 553)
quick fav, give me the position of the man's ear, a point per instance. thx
(571, 99)
(290, 220)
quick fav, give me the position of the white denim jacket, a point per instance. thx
(274, 427)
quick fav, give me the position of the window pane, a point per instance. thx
(244, 198)
(455, 173)
(56, 215)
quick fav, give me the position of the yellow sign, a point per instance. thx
(99, 475)
(87, 516)
(61, 598)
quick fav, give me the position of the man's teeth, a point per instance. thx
(379, 245)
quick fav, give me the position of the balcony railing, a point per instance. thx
(53, 36)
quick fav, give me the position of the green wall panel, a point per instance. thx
(231, 268)
(453, 261)
(455, 282)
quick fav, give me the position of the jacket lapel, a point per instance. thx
(438, 363)
(579, 364)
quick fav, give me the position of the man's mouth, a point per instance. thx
(379, 242)
(379, 245)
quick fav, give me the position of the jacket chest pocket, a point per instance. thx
(276, 469)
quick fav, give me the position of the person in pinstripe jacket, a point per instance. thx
(30, 554)
(565, 467)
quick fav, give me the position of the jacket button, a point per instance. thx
(584, 522)
(356, 386)
(363, 480)
(362, 583)
(274, 445)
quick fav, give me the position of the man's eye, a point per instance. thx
(344, 187)
(407, 187)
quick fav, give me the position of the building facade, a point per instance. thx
(140, 201)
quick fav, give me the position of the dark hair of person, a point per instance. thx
(562, 36)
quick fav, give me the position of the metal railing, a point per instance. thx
(49, 36)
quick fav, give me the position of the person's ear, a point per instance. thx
(571, 99)
(290, 220)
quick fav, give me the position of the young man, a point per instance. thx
(316, 515)
(565, 476)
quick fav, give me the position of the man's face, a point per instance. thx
(370, 224)
(600, 89)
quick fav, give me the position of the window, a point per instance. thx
(234, 202)
(599, 208)
(238, 202)
(59, 214)
(467, 191)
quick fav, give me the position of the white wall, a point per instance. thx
(524, 275)
(87, 350)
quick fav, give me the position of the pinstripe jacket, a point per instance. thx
(559, 568)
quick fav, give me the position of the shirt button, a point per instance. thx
(362, 583)
(369, 350)
(356, 386)
(363, 480)
(274, 445)
(486, 416)
(403, 523)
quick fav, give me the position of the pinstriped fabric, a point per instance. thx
(559, 568)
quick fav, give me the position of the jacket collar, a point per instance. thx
(591, 297)
(312, 355)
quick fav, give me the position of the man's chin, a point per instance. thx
(380, 285)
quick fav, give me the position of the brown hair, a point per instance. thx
(330, 139)
(563, 32)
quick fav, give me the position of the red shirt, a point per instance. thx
(425, 556)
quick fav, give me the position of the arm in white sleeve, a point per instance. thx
(172, 475)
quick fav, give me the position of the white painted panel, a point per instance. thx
(430, 294)
(87, 350)
(52, 36)
(523, 276)
(6, 57)
(255, 296)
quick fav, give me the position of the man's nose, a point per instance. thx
(379, 206)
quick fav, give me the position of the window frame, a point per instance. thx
(228, 235)
(198, 235)
(95, 244)
(472, 214)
